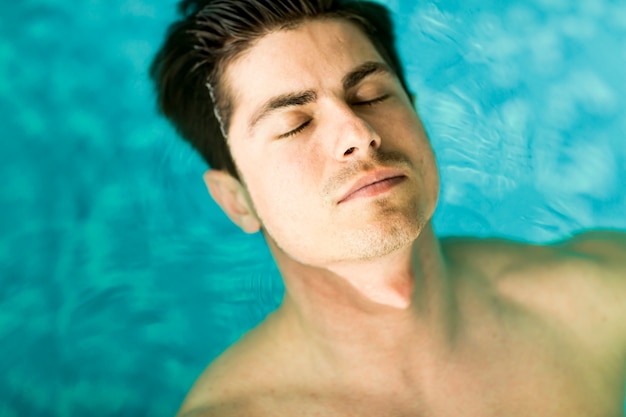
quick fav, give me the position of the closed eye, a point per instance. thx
(371, 102)
(296, 130)
(308, 122)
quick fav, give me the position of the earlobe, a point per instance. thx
(230, 195)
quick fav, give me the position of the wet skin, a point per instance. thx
(380, 317)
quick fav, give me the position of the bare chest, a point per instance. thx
(517, 390)
(538, 377)
(522, 384)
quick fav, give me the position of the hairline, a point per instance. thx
(226, 97)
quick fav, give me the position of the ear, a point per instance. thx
(232, 197)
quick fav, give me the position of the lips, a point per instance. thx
(372, 183)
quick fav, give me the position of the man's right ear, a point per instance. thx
(232, 197)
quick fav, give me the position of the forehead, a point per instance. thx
(312, 56)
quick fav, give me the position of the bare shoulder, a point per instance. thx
(227, 409)
(594, 265)
(607, 247)
(579, 282)
(588, 260)
(225, 387)
(601, 257)
(212, 395)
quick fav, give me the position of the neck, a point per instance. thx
(384, 305)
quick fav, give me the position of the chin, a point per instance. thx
(376, 241)
(356, 239)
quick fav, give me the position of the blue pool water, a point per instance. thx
(119, 277)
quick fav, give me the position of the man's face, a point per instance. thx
(318, 114)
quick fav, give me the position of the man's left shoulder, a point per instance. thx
(592, 260)
(579, 282)
(589, 269)
(606, 247)
(598, 260)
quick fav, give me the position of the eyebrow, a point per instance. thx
(282, 101)
(302, 98)
(362, 71)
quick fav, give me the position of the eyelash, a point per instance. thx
(308, 122)
(372, 102)
(296, 130)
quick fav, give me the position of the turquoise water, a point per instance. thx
(119, 277)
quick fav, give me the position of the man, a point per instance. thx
(325, 154)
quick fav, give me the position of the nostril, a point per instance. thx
(349, 151)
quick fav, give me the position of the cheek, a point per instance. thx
(404, 132)
(407, 135)
(281, 184)
(288, 204)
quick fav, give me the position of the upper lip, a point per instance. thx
(370, 178)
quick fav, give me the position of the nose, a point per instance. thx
(355, 137)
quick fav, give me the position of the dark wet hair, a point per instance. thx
(188, 68)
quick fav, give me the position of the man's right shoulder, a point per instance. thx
(224, 388)
(232, 409)
(211, 396)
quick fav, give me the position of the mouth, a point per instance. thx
(373, 184)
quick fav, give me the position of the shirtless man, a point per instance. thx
(380, 317)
